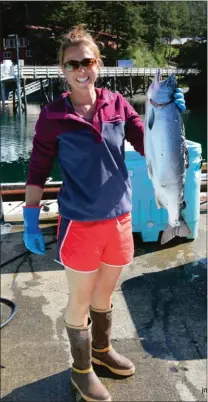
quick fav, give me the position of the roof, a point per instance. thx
(40, 28)
(182, 41)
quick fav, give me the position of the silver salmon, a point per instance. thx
(166, 154)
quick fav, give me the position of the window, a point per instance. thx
(22, 42)
(28, 53)
(10, 43)
(7, 55)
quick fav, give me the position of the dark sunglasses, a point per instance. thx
(73, 65)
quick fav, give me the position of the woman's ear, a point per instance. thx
(100, 63)
(62, 69)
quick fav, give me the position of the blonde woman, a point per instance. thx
(86, 129)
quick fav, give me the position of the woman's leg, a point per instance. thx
(118, 252)
(101, 312)
(78, 326)
(105, 285)
(81, 286)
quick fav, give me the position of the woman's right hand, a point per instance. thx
(33, 237)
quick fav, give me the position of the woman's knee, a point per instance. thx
(81, 285)
(80, 301)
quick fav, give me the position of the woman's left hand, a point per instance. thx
(179, 99)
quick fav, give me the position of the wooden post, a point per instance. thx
(44, 95)
(3, 97)
(114, 83)
(143, 84)
(41, 93)
(24, 97)
(131, 88)
(19, 98)
(51, 89)
(14, 101)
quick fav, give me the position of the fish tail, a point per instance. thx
(170, 232)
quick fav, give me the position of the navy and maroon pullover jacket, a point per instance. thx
(95, 178)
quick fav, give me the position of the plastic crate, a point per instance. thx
(147, 219)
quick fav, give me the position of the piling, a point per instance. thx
(3, 96)
(114, 83)
(14, 100)
(24, 97)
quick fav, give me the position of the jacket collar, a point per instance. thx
(61, 109)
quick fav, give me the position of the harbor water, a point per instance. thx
(17, 135)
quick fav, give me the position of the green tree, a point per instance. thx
(98, 19)
(194, 55)
(152, 19)
(198, 18)
(137, 25)
(169, 19)
(183, 17)
(15, 15)
(69, 13)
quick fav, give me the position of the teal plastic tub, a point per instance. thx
(147, 219)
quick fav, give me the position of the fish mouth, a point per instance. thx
(161, 90)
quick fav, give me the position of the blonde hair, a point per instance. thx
(76, 37)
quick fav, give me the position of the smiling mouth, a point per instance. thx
(82, 80)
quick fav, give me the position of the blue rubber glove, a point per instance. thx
(33, 238)
(179, 99)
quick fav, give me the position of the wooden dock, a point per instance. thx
(37, 72)
(13, 196)
(128, 81)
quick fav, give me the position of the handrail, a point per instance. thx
(30, 88)
(36, 72)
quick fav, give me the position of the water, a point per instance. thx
(16, 140)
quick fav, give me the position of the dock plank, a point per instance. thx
(13, 211)
(49, 210)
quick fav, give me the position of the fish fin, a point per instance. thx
(183, 205)
(158, 203)
(183, 230)
(149, 170)
(170, 232)
(151, 119)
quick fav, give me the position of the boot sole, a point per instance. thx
(125, 373)
(85, 397)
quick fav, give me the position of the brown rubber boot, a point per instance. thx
(83, 377)
(103, 353)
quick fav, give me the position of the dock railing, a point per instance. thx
(37, 72)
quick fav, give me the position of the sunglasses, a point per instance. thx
(73, 65)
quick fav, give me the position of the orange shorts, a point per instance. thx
(82, 246)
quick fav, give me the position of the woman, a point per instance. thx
(86, 129)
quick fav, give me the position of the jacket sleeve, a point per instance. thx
(43, 152)
(134, 127)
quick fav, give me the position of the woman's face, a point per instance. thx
(79, 77)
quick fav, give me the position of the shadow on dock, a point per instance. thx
(168, 309)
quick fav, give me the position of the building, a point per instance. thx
(9, 51)
(177, 43)
(37, 45)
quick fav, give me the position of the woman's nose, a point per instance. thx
(81, 68)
